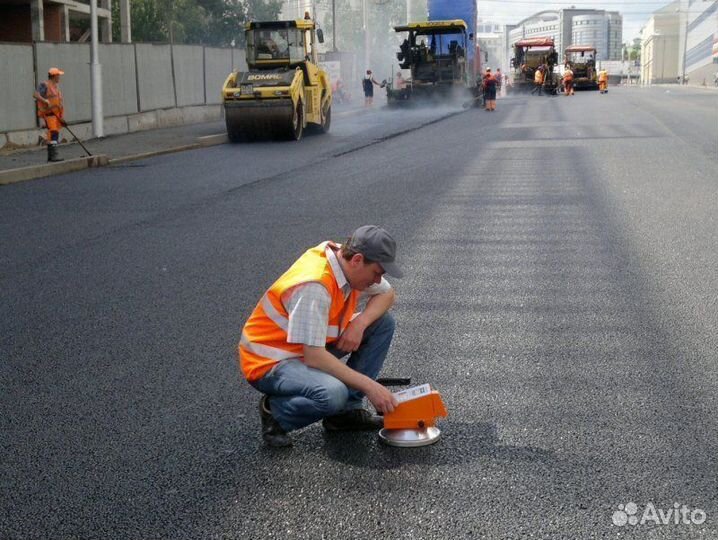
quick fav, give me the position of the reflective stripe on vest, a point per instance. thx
(265, 350)
(264, 337)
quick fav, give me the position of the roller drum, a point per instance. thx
(255, 120)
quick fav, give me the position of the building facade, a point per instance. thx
(542, 24)
(602, 29)
(52, 20)
(490, 38)
(660, 60)
(698, 40)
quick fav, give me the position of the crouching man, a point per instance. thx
(291, 345)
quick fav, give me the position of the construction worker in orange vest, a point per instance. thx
(568, 81)
(538, 80)
(306, 321)
(603, 81)
(50, 108)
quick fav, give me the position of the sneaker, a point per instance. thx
(272, 432)
(353, 420)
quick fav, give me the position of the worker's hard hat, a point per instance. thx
(55, 71)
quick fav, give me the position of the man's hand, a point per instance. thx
(351, 338)
(382, 399)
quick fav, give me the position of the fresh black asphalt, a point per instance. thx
(561, 294)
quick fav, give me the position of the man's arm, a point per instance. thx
(377, 305)
(40, 94)
(379, 396)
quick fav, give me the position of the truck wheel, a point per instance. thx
(297, 126)
(327, 120)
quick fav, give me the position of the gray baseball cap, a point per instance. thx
(376, 245)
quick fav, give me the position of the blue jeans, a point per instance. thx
(301, 395)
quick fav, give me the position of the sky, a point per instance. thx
(635, 14)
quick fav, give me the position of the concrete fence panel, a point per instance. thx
(217, 65)
(154, 76)
(17, 108)
(74, 60)
(119, 84)
(188, 62)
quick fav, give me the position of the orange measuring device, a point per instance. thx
(417, 412)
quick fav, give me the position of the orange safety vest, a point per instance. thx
(602, 76)
(54, 96)
(264, 337)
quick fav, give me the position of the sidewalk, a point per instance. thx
(26, 164)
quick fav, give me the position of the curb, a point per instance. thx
(202, 142)
(153, 153)
(11, 176)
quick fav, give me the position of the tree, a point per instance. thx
(632, 51)
(209, 22)
(349, 27)
(383, 15)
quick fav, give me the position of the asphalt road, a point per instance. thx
(561, 293)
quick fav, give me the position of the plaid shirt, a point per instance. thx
(308, 306)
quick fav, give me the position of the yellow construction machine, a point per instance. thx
(284, 91)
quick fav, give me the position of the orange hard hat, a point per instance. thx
(55, 71)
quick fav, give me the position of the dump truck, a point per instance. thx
(582, 61)
(284, 90)
(436, 53)
(529, 54)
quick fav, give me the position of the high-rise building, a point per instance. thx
(597, 27)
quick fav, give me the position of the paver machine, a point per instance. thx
(582, 61)
(529, 54)
(284, 91)
(436, 52)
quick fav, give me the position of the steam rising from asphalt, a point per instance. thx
(380, 121)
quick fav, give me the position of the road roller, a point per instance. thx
(284, 91)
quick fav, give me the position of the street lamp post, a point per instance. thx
(334, 25)
(685, 49)
(365, 22)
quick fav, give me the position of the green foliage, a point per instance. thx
(349, 27)
(208, 22)
(632, 51)
(383, 15)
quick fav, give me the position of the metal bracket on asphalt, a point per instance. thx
(10, 176)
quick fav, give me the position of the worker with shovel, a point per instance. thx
(291, 345)
(50, 108)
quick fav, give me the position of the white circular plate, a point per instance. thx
(410, 437)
